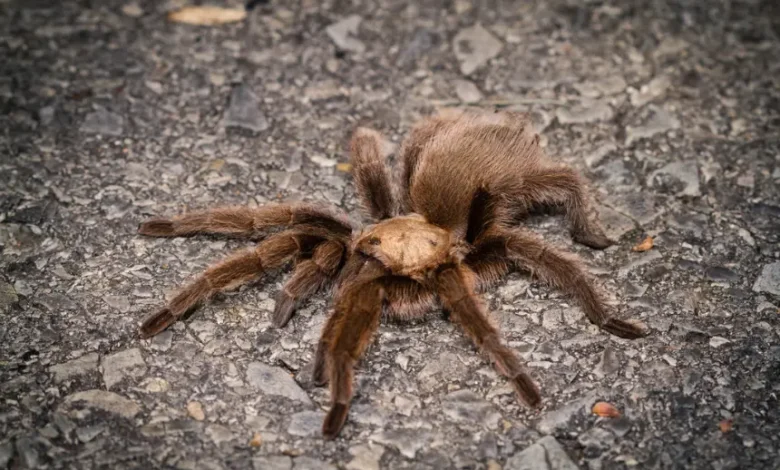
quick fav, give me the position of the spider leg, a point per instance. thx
(351, 329)
(562, 271)
(232, 272)
(347, 276)
(487, 266)
(456, 290)
(563, 187)
(372, 177)
(309, 276)
(247, 221)
(405, 300)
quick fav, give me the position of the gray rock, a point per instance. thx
(407, 441)
(487, 447)
(585, 112)
(293, 160)
(617, 177)
(365, 457)
(607, 86)
(117, 366)
(769, 279)
(6, 453)
(83, 365)
(445, 365)
(324, 90)
(555, 419)
(101, 121)
(46, 115)
(308, 463)
(107, 401)
(619, 426)
(611, 85)
(343, 34)
(8, 296)
(244, 110)
(655, 88)
(594, 158)
(638, 205)
(274, 462)
(614, 223)
(544, 454)
(683, 177)
(541, 120)
(474, 47)
(219, 434)
(49, 431)
(369, 414)
(718, 341)
(464, 406)
(405, 404)
(467, 91)
(132, 9)
(608, 364)
(323, 162)
(274, 381)
(639, 261)
(597, 438)
(306, 423)
(30, 457)
(657, 120)
(423, 40)
(722, 274)
(65, 425)
(89, 433)
(162, 342)
(513, 289)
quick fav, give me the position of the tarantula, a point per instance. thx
(447, 232)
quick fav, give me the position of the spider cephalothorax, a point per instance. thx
(446, 234)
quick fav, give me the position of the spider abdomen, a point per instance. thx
(467, 152)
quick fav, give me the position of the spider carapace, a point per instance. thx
(446, 229)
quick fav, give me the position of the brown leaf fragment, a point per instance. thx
(257, 440)
(725, 425)
(207, 15)
(195, 410)
(646, 244)
(345, 167)
(605, 410)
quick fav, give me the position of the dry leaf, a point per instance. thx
(217, 165)
(257, 440)
(195, 410)
(725, 425)
(207, 15)
(646, 244)
(605, 410)
(345, 167)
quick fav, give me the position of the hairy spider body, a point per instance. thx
(447, 233)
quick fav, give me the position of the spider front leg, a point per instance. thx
(242, 221)
(563, 187)
(405, 300)
(242, 267)
(349, 331)
(562, 271)
(372, 177)
(455, 285)
(309, 276)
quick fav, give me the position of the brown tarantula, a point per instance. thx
(448, 232)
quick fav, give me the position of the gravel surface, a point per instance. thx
(111, 114)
